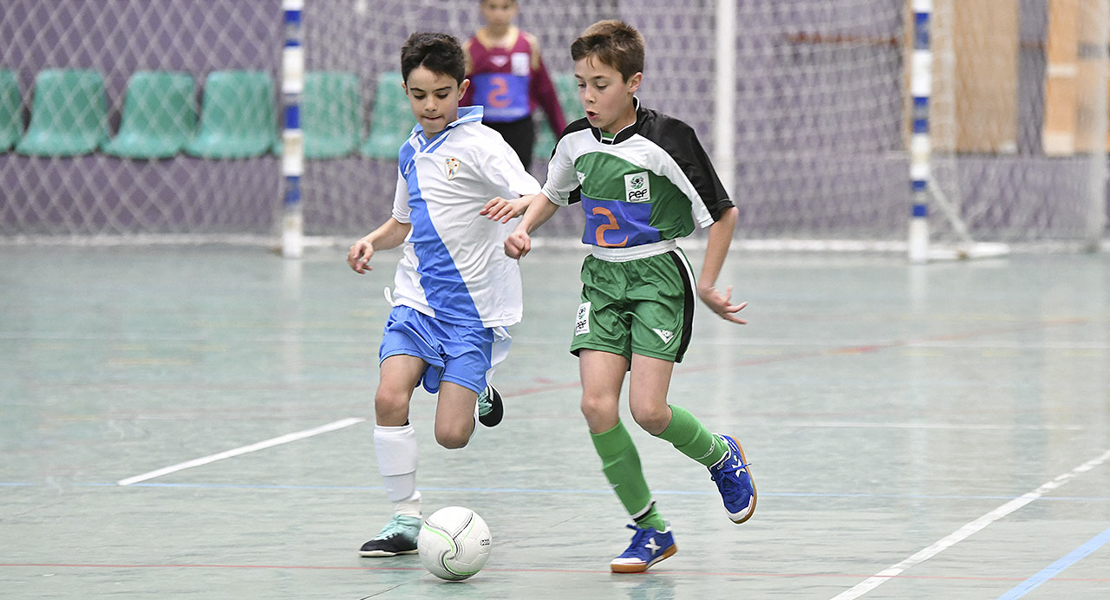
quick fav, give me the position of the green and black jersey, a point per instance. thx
(651, 182)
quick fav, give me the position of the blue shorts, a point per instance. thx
(462, 354)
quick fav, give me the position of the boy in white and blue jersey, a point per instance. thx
(455, 290)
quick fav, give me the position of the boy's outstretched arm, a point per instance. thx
(388, 235)
(720, 236)
(540, 209)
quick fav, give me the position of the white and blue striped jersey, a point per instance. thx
(454, 265)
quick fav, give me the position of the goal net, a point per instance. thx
(821, 121)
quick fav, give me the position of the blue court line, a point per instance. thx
(1055, 568)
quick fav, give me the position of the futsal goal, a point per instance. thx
(165, 120)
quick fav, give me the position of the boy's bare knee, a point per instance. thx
(600, 414)
(652, 419)
(390, 408)
(453, 438)
(452, 443)
(592, 408)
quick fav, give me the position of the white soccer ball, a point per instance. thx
(454, 543)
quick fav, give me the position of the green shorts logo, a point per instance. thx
(664, 335)
(582, 321)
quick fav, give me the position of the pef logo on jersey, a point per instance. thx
(452, 168)
(637, 187)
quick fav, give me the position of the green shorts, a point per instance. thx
(643, 306)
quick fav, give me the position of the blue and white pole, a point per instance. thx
(292, 153)
(921, 87)
(724, 102)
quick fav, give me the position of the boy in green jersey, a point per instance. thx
(644, 181)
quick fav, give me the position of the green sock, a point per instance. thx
(652, 519)
(621, 464)
(692, 438)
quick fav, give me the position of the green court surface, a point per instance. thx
(180, 422)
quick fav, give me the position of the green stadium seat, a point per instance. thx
(69, 114)
(11, 119)
(236, 116)
(391, 119)
(566, 88)
(330, 114)
(159, 116)
(331, 118)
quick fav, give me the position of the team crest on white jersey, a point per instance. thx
(452, 167)
(637, 187)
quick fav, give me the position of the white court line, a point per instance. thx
(284, 439)
(952, 426)
(966, 531)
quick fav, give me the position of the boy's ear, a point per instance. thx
(634, 82)
(462, 87)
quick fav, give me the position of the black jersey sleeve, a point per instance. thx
(680, 141)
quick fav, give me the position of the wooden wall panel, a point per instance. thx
(1061, 77)
(980, 76)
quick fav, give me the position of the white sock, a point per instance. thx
(397, 459)
(410, 507)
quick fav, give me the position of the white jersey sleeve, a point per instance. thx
(401, 208)
(561, 176)
(505, 172)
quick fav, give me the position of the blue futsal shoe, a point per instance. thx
(648, 547)
(734, 480)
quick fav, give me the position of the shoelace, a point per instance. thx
(394, 527)
(735, 465)
(729, 467)
(637, 540)
(484, 403)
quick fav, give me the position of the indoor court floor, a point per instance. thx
(196, 422)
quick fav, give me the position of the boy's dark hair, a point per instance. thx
(614, 43)
(437, 52)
